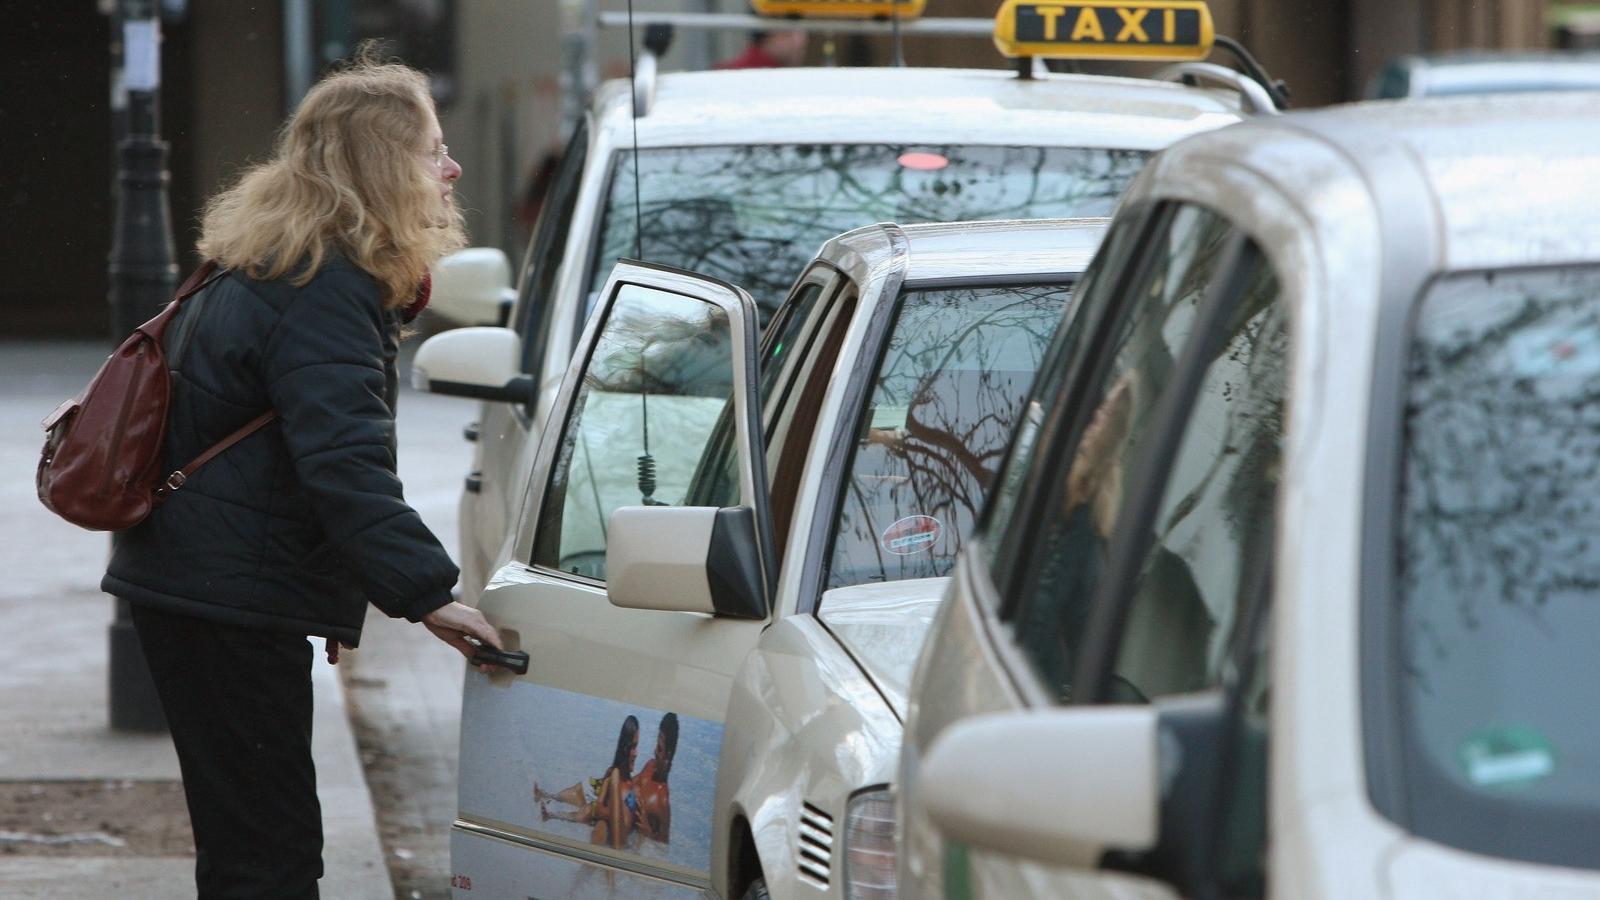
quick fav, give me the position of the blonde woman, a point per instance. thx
(290, 533)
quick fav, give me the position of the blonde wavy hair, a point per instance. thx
(349, 175)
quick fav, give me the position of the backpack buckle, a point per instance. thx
(176, 480)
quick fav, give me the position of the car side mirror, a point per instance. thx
(1132, 788)
(686, 559)
(1061, 786)
(473, 287)
(482, 363)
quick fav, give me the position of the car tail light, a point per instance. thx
(869, 849)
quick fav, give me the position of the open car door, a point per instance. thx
(640, 581)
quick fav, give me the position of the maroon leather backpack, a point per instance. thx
(101, 464)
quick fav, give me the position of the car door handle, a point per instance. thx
(515, 660)
(475, 483)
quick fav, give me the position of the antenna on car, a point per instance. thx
(894, 25)
(633, 97)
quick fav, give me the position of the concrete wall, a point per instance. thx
(507, 111)
(235, 80)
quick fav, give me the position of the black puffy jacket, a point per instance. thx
(298, 526)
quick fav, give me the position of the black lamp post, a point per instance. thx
(144, 275)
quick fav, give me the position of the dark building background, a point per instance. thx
(231, 68)
(221, 98)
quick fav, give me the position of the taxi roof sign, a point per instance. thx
(840, 9)
(1154, 30)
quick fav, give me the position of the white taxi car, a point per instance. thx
(720, 640)
(1288, 586)
(743, 174)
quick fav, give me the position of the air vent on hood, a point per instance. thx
(816, 846)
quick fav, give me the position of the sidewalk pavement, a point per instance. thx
(53, 680)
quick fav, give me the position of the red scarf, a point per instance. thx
(420, 301)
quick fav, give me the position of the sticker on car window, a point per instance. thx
(891, 418)
(1557, 350)
(912, 534)
(1506, 757)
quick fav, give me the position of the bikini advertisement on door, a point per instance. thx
(592, 773)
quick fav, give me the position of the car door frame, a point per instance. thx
(1062, 430)
(753, 473)
(523, 571)
(505, 428)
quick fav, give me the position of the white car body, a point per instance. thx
(797, 106)
(1357, 210)
(785, 714)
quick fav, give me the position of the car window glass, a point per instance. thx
(1497, 565)
(1093, 298)
(549, 241)
(945, 397)
(794, 422)
(657, 383)
(783, 344)
(1056, 583)
(754, 215)
(721, 476)
(1215, 512)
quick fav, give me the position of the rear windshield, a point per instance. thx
(1500, 566)
(946, 396)
(754, 215)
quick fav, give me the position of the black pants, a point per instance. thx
(238, 702)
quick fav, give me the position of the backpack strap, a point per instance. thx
(156, 328)
(196, 280)
(199, 280)
(177, 478)
(202, 278)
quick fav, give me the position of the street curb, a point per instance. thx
(353, 862)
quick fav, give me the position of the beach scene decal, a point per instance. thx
(591, 771)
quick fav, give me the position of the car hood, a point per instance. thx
(883, 626)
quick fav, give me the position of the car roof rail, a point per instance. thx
(1261, 92)
(1254, 97)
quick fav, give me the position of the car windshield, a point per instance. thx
(1514, 76)
(754, 215)
(1499, 565)
(947, 393)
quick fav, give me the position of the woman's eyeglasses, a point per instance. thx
(440, 154)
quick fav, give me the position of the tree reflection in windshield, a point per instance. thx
(1500, 560)
(754, 215)
(948, 393)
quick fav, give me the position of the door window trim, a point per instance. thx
(1063, 423)
(533, 317)
(597, 228)
(1131, 540)
(831, 283)
(842, 442)
(753, 484)
(807, 387)
(1405, 284)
